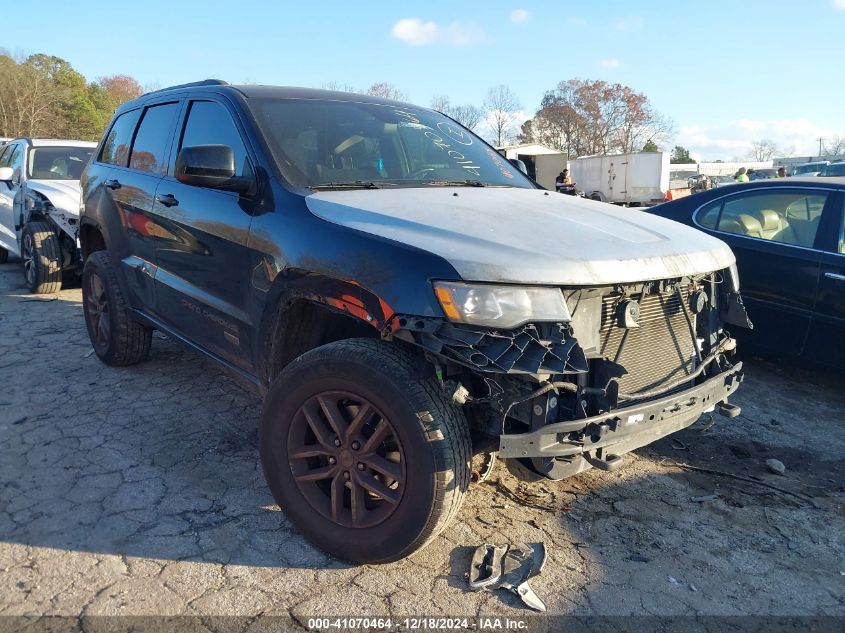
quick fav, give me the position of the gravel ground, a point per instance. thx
(138, 491)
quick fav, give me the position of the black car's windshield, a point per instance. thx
(334, 144)
(57, 163)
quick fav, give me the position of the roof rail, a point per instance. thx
(193, 84)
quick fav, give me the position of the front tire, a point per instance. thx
(42, 258)
(117, 339)
(368, 460)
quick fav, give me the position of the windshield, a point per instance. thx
(324, 144)
(57, 163)
(808, 169)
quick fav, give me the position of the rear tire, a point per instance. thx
(42, 258)
(117, 339)
(316, 466)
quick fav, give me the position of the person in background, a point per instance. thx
(562, 179)
(741, 175)
(781, 172)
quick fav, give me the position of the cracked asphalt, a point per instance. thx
(138, 491)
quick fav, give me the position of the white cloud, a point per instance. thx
(518, 16)
(628, 23)
(611, 62)
(733, 139)
(839, 5)
(416, 32)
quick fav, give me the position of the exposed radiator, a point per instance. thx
(659, 350)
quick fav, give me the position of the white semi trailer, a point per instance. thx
(639, 179)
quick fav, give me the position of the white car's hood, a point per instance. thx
(62, 194)
(527, 235)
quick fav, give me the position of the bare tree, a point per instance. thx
(763, 150)
(121, 88)
(502, 106)
(386, 90)
(467, 115)
(834, 146)
(340, 87)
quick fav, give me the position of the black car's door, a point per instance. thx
(772, 232)
(202, 280)
(134, 157)
(827, 331)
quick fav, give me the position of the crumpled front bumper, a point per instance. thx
(628, 428)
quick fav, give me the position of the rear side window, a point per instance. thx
(154, 133)
(788, 217)
(115, 149)
(209, 123)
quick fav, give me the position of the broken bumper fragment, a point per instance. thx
(625, 429)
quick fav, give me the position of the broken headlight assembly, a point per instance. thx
(503, 307)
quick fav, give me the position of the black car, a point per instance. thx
(789, 239)
(401, 294)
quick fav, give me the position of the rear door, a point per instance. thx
(203, 277)
(772, 232)
(827, 332)
(137, 150)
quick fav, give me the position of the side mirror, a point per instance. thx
(211, 166)
(6, 173)
(520, 165)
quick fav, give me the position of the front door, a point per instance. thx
(11, 156)
(202, 282)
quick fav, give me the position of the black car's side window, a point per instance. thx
(115, 150)
(787, 217)
(209, 123)
(152, 137)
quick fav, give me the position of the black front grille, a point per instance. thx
(661, 349)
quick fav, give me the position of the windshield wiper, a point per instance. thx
(455, 183)
(351, 184)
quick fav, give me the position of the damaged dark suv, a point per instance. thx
(404, 297)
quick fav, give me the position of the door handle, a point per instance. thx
(112, 184)
(835, 276)
(167, 200)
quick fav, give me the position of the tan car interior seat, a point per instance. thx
(741, 224)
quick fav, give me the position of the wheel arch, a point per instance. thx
(312, 310)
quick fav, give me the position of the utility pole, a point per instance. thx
(821, 138)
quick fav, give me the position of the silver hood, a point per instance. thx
(62, 194)
(527, 235)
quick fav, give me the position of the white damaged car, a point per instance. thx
(39, 207)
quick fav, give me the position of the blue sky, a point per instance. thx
(725, 72)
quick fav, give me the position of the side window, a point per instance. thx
(209, 123)
(6, 155)
(788, 217)
(152, 137)
(16, 161)
(842, 235)
(115, 149)
(709, 215)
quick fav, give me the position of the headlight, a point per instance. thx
(500, 306)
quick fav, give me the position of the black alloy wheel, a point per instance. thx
(346, 459)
